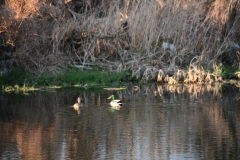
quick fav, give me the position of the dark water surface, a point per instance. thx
(155, 122)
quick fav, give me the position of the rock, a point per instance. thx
(169, 46)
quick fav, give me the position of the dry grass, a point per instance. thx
(194, 74)
(48, 37)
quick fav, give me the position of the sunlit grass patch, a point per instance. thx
(199, 75)
(18, 89)
(115, 88)
(238, 74)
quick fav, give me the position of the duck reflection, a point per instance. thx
(113, 108)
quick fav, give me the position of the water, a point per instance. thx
(158, 122)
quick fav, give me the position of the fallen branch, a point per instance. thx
(82, 67)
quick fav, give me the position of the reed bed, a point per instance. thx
(158, 40)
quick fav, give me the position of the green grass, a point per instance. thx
(21, 80)
(225, 70)
(93, 77)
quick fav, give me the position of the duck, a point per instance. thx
(115, 102)
(78, 104)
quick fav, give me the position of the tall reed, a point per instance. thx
(120, 35)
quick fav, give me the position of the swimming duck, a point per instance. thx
(115, 102)
(78, 104)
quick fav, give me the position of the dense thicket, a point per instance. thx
(140, 36)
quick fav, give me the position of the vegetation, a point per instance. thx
(146, 39)
(25, 81)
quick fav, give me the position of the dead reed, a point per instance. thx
(149, 38)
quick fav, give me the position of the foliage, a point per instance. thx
(16, 79)
(226, 70)
(140, 36)
(199, 75)
(95, 77)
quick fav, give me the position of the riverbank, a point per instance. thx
(17, 81)
(161, 41)
(22, 81)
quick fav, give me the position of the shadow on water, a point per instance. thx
(155, 122)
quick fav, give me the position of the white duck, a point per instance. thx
(115, 102)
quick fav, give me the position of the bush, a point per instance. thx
(51, 35)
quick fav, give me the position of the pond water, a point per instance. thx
(156, 122)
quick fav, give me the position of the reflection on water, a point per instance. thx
(154, 122)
